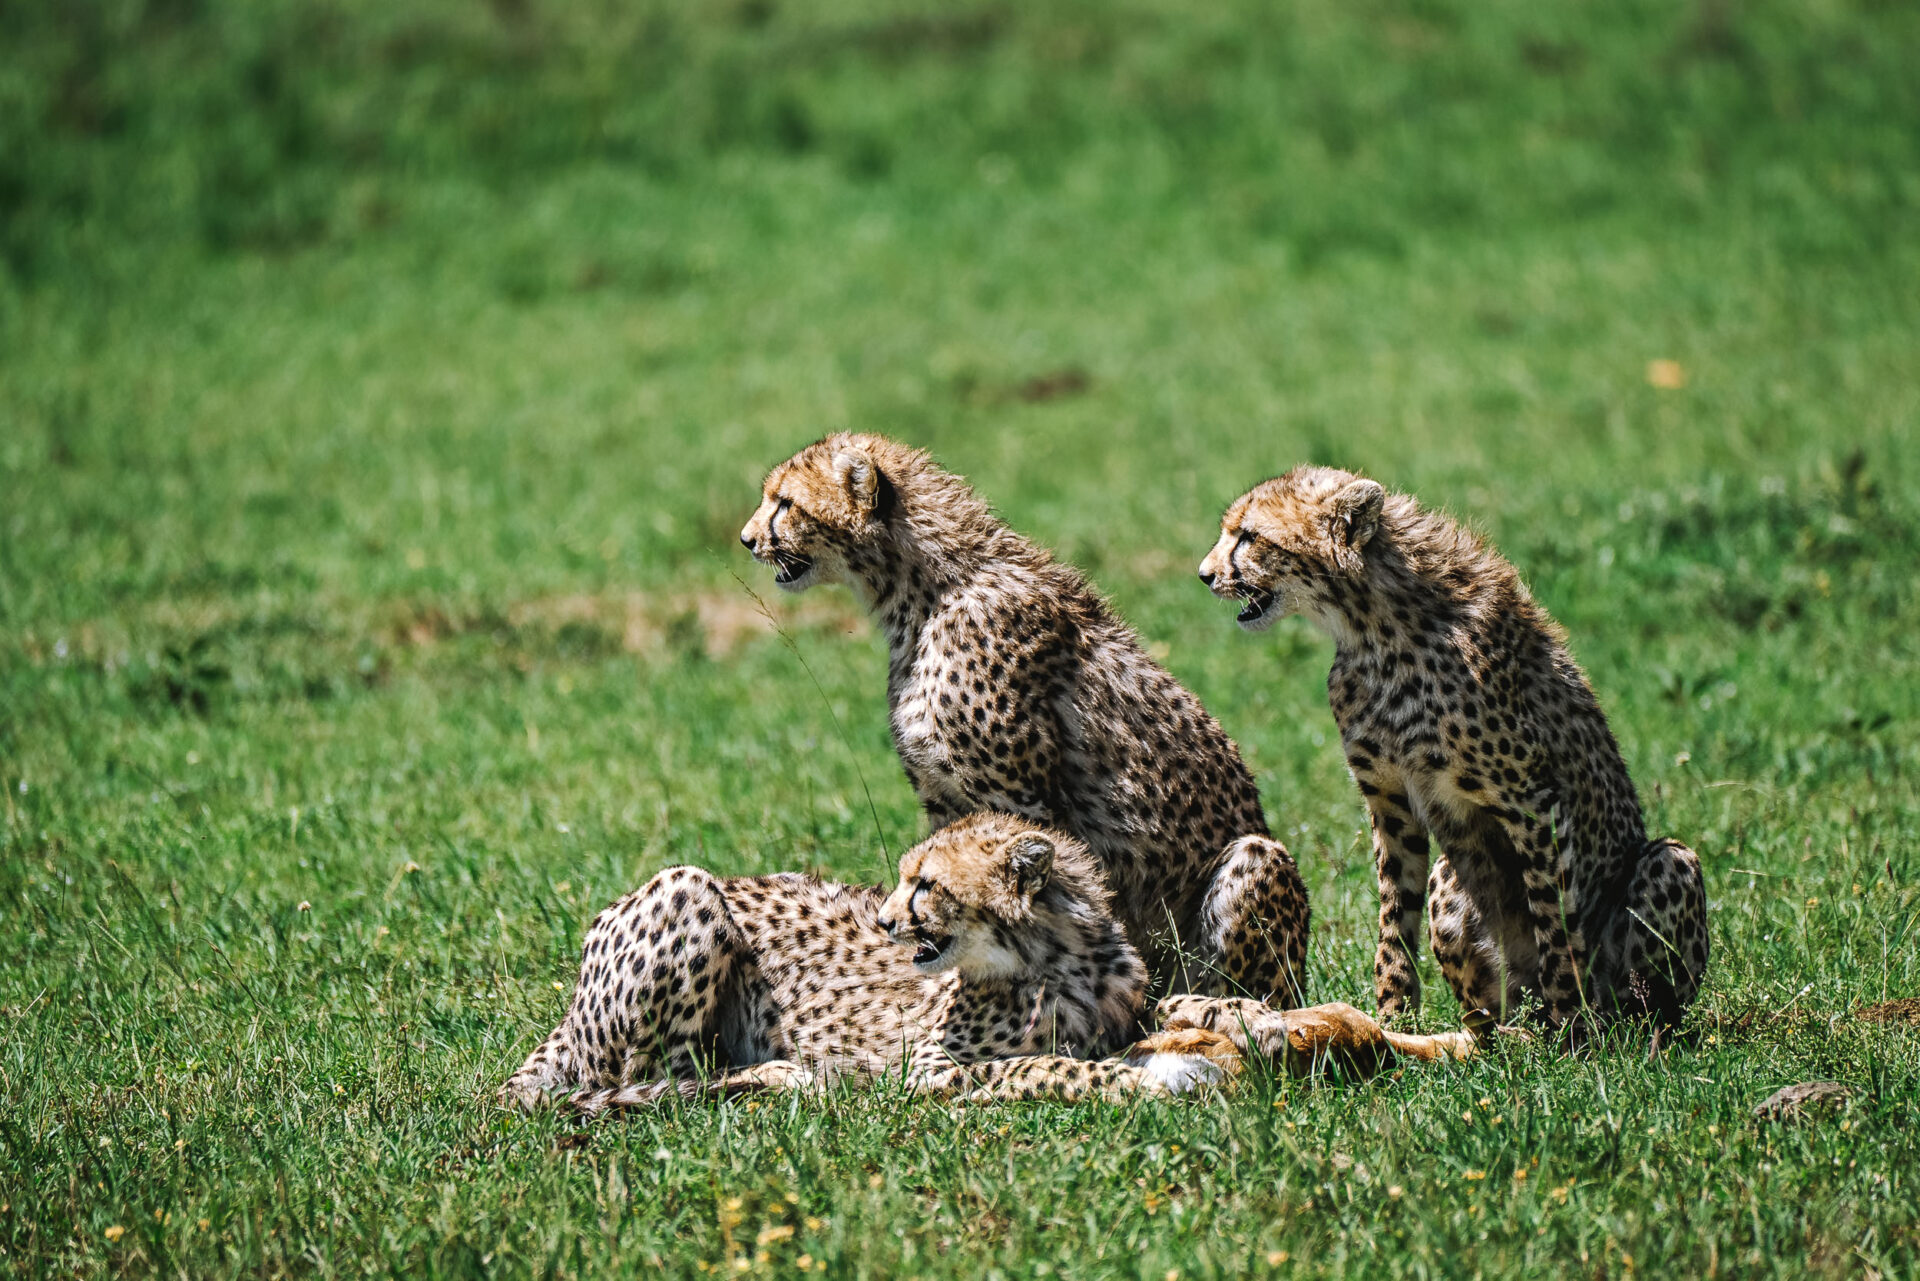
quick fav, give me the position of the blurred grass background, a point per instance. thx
(382, 387)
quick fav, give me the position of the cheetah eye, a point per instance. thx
(1245, 540)
(783, 506)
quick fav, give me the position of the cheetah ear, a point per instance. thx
(1356, 512)
(863, 481)
(1029, 863)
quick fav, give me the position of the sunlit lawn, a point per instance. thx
(381, 394)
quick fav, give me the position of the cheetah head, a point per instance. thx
(971, 891)
(819, 507)
(1284, 541)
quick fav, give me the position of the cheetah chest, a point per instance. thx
(918, 734)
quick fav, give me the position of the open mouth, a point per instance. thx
(930, 950)
(789, 568)
(1254, 607)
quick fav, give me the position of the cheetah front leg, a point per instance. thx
(773, 1076)
(978, 1069)
(1401, 860)
(1254, 924)
(1551, 913)
(1052, 1077)
(1468, 958)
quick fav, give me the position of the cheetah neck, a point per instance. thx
(1422, 573)
(1385, 608)
(1076, 961)
(927, 556)
(901, 588)
(1353, 613)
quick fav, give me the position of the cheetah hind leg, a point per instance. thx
(1657, 941)
(551, 1069)
(653, 973)
(1254, 923)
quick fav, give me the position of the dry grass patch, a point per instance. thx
(717, 622)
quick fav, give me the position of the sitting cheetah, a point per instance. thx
(990, 971)
(1464, 718)
(1013, 687)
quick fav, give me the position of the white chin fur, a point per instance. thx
(982, 958)
(1182, 1073)
(1263, 622)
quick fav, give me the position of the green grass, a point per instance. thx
(382, 388)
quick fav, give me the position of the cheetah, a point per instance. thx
(1013, 687)
(994, 970)
(1465, 720)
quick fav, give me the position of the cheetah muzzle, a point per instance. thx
(791, 570)
(932, 953)
(1254, 608)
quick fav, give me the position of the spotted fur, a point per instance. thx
(1466, 721)
(1013, 687)
(994, 970)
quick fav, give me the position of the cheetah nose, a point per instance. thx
(746, 541)
(1207, 576)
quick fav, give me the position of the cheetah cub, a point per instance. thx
(1013, 687)
(990, 971)
(1465, 720)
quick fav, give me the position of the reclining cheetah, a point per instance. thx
(1464, 718)
(1013, 687)
(991, 970)
(1018, 968)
